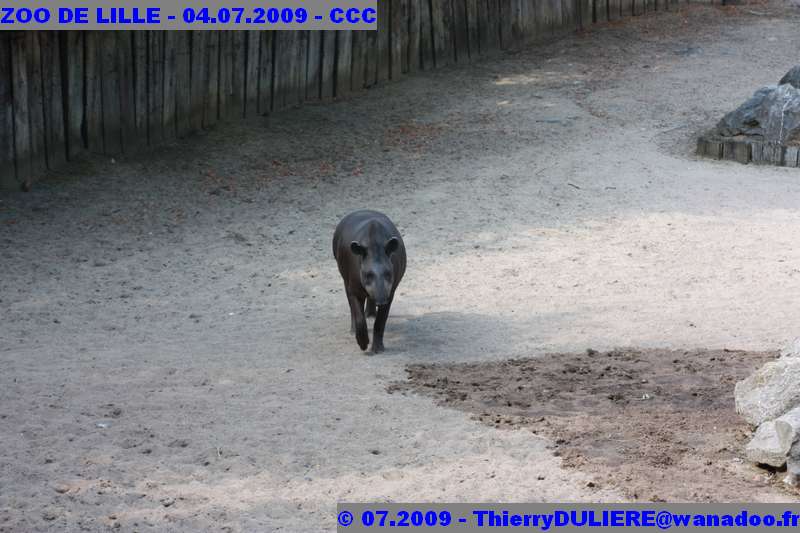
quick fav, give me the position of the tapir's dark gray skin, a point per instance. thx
(372, 260)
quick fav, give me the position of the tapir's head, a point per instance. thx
(377, 269)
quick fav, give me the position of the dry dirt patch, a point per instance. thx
(660, 425)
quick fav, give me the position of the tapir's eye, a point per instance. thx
(369, 277)
(387, 276)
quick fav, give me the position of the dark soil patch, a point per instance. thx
(660, 425)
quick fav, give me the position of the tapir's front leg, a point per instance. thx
(380, 324)
(358, 320)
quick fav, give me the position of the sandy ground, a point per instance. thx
(659, 425)
(174, 342)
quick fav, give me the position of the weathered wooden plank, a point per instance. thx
(441, 17)
(403, 34)
(398, 39)
(52, 98)
(358, 64)
(371, 53)
(36, 108)
(328, 73)
(8, 175)
(155, 89)
(94, 93)
(543, 18)
(460, 31)
(614, 9)
(314, 66)
(73, 66)
(493, 22)
(792, 156)
(626, 8)
(483, 26)
(266, 58)
(650, 5)
(197, 78)
(529, 27)
(344, 62)
(286, 55)
(141, 87)
(251, 78)
(515, 21)
(127, 94)
(506, 25)
(111, 127)
(170, 82)
(426, 40)
(569, 16)
(600, 11)
(473, 37)
(281, 60)
(585, 14)
(183, 83)
(384, 53)
(300, 68)
(22, 126)
(555, 22)
(211, 102)
(238, 85)
(225, 74)
(414, 34)
(638, 7)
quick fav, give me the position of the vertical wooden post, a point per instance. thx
(94, 93)
(344, 62)
(211, 104)
(22, 131)
(109, 81)
(252, 79)
(265, 71)
(127, 91)
(328, 75)
(183, 83)
(8, 174)
(52, 98)
(155, 89)
(170, 83)
(141, 86)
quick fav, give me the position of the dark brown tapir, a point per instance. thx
(372, 260)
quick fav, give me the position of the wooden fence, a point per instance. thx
(115, 92)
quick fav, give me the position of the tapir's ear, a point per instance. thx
(358, 249)
(392, 245)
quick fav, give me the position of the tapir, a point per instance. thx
(372, 260)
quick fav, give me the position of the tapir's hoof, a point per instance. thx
(363, 341)
(377, 348)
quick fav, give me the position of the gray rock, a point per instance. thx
(767, 446)
(788, 428)
(771, 114)
(770, 392)
(792, 78)
(792, 349)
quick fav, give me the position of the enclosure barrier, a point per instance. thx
(115, 92)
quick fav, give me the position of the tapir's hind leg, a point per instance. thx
(370, 307)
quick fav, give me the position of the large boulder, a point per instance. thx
(770, 392)
(767, 446)
(771, 114)
(792, 78)
(788, 427)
